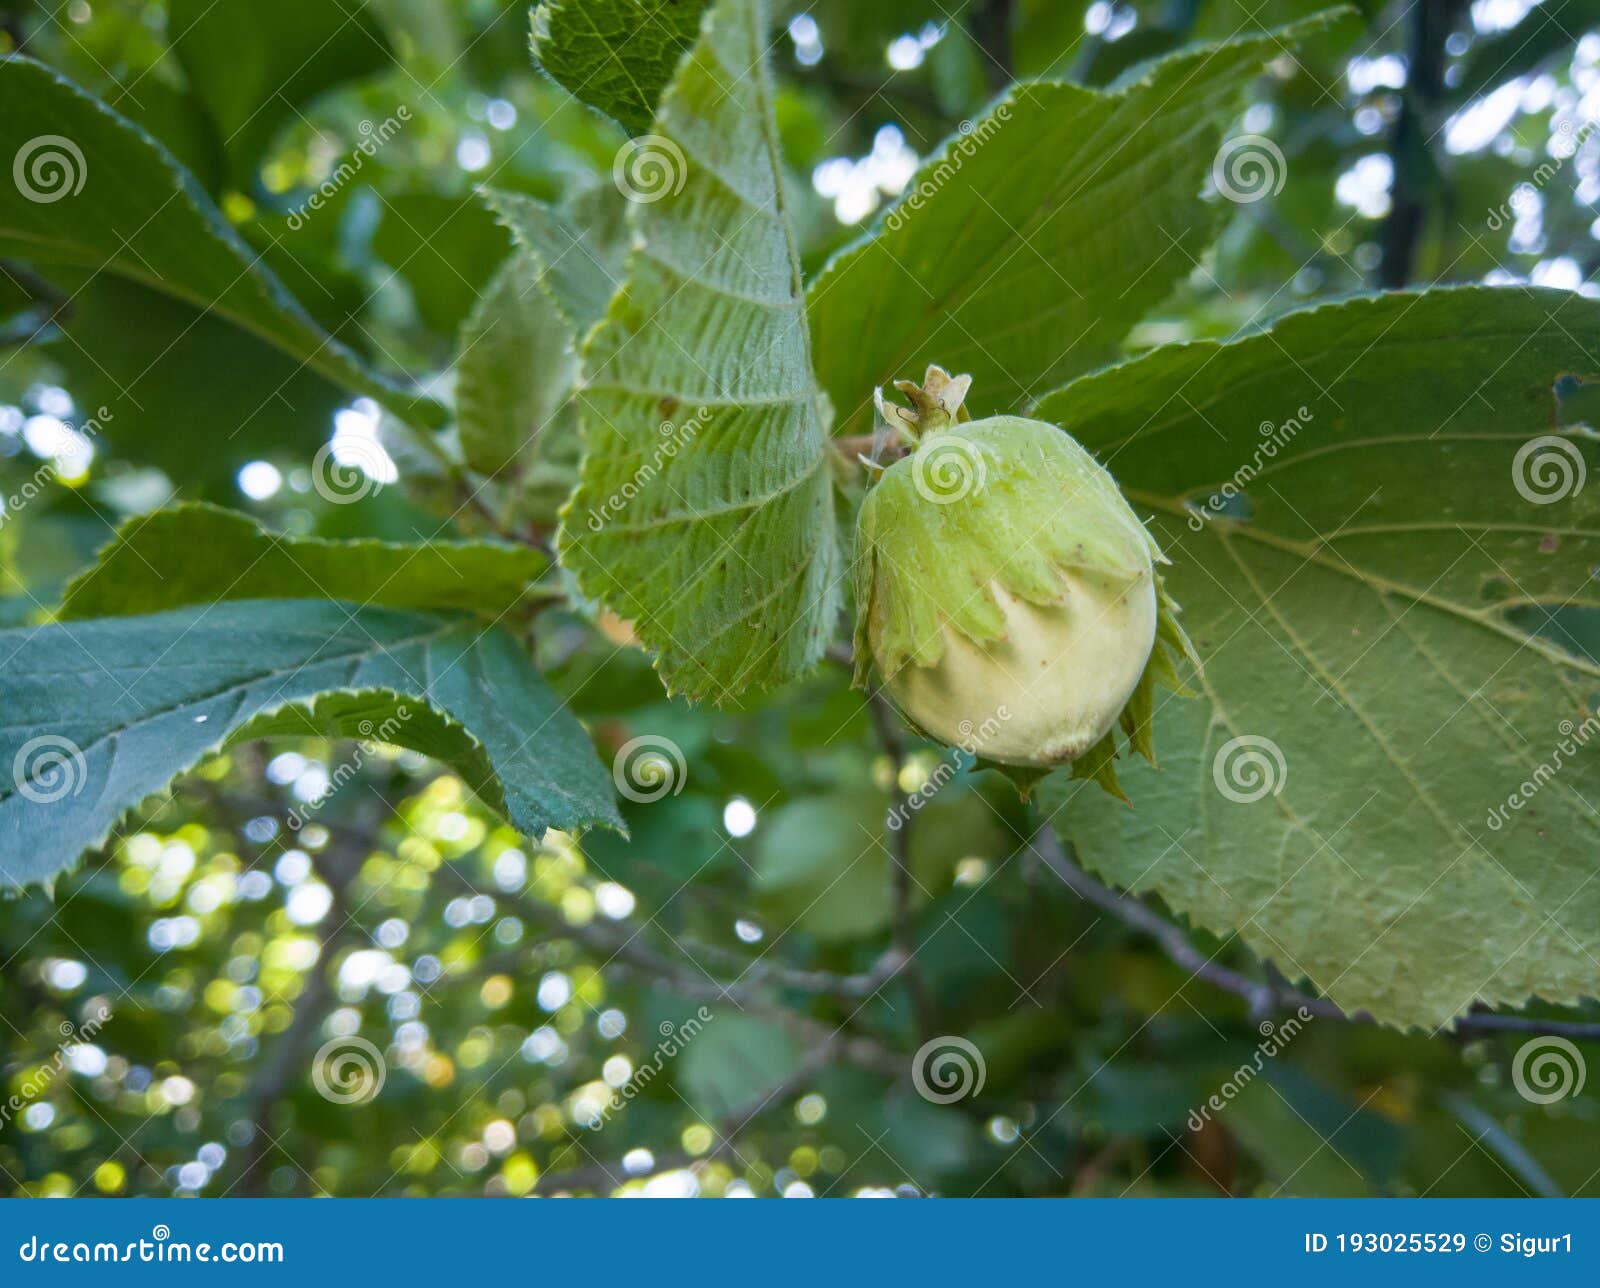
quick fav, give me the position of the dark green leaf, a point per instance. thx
(615, 55)
(151, 565)
(255, 66)
(107, 198)
(102, 714)
(1369, 701)
(1027, 246)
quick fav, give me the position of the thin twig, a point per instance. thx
(904, 934)
(287, 1063)
(1411, 156)
(1264, 999)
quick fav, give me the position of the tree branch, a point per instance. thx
(1410, 143)
(337, 867)
(1263, 998)
(990, 25)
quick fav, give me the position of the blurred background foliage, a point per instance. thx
(512, 986)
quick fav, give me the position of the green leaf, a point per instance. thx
(1368, 698)
(581, 249)
(1026, 247)
(733, 1062)
(705, 512)
(615, 55)
(255, 402)
(197, 554)
(823, 864)
(519, 364)
(255, 66)
(102, 714)
(115, 201)
(515, 374)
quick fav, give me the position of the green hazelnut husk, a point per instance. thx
(1007, 594)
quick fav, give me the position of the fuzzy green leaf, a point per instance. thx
(114, 200)
(615, 55)
(516, 370)
(705, 511)
(1028, 245)
(102, 714)
(151, 565)
(581, 248)
(1369, 698)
